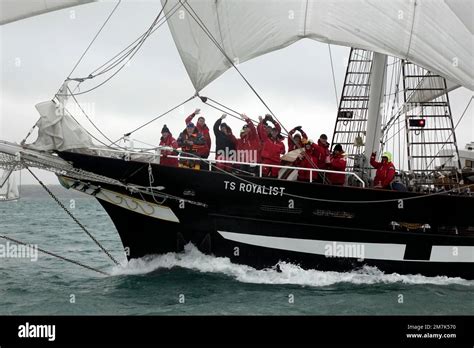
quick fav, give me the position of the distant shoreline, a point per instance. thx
(32, 191)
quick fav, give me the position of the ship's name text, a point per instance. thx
(254, 188)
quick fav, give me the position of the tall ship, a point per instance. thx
(405, 58)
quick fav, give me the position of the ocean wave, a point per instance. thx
(289, 273)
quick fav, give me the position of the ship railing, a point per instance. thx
(261, 165)
(156, 154)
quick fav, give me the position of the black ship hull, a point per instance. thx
(262, 221)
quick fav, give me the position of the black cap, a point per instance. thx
(165, 129)
(338, 147)
(324, 136)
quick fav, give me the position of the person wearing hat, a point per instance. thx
(226, 143)
(385, 170)
(295, 142)
(336, 162)
(248, 146)
(323, 151)
(322, 155)
(168, 140)
(272, 146)
(203, 129)
(192, 142)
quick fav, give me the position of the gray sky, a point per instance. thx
(38, 53)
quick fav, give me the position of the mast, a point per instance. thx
(376, 98)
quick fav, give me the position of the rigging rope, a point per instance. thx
(333, 76)
(55, 255)
(89, 133)
(72, 216)
(154, 119)
(457, 124)
(95, 37)
(130, 54)
(163, 20)
(84, 113)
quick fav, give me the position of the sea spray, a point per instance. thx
(288, 273)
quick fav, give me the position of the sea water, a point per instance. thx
(189, 282)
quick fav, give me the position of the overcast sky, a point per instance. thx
(38, 53)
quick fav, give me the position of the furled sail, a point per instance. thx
(13, 10)
(59, 131)
(429, 89)
(435, 34)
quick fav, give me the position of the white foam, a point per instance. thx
(193, 259)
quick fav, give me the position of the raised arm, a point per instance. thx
(303, 134)
(190, 117)
(261, 130)
(277, 125)
(217, 124)
(373, 162)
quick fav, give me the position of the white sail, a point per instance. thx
(435, 34)
(8, 185)
(13, 192)
(13, 10)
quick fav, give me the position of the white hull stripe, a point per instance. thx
(136, 205)
(373, 251)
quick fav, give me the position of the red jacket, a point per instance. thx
(338, 163)
(197, 143)
(385, 172)
(271, 149)
(322, 152)
(305, 162)
(205, 133)
(165, 160)
(249, 143)
(291, 145)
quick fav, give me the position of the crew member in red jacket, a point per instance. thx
(385, 170)
(295, 142)
(168, 140)
(338, 163)
(322, 154)
(272, 146)
(248, 146)
(203, 129)
(307, 159)
(322, 151)
(192, 142)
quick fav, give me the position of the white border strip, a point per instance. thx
(378, 251)
(374, 251)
